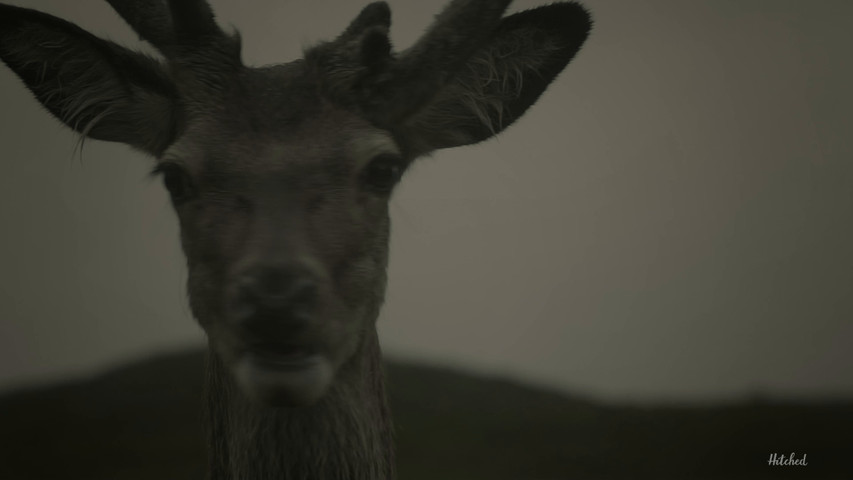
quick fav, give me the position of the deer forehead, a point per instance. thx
(333, 143)
(272, 116)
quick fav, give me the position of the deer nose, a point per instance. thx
(274, 302)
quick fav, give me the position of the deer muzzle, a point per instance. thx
(275, 316)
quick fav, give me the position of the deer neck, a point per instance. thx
(348, 435)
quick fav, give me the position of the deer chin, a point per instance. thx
(290, 378)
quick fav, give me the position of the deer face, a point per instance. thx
(283, 209)
(280, 176)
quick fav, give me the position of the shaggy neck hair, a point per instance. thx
(346, 436)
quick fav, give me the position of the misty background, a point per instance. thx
(670, 222)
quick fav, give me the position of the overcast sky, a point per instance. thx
(672, 220)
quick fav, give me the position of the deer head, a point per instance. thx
(281, 175)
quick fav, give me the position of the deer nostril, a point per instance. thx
(304, 292)
(274, 301)
(279, 289)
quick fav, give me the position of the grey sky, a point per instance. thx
(671, 220)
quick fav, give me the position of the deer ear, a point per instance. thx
(98, 88)
(500, 80)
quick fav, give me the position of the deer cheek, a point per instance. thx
(202, 295)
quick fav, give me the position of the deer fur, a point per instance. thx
(281, 177)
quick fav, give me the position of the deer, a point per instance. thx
(280, 177)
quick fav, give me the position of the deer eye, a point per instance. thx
(382, 173)
(176, 180)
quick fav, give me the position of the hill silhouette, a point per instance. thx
(143, 421)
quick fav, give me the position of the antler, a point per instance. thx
(150, 19)
(168, 24)
(359, 68)
(194, 20)
(185, 32)
(373, 15)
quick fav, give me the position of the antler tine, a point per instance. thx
(168, 24)
(377, 14)
(194, 20)
(150, 19)
(186, 33)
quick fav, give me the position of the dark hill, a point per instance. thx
(143, 421)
